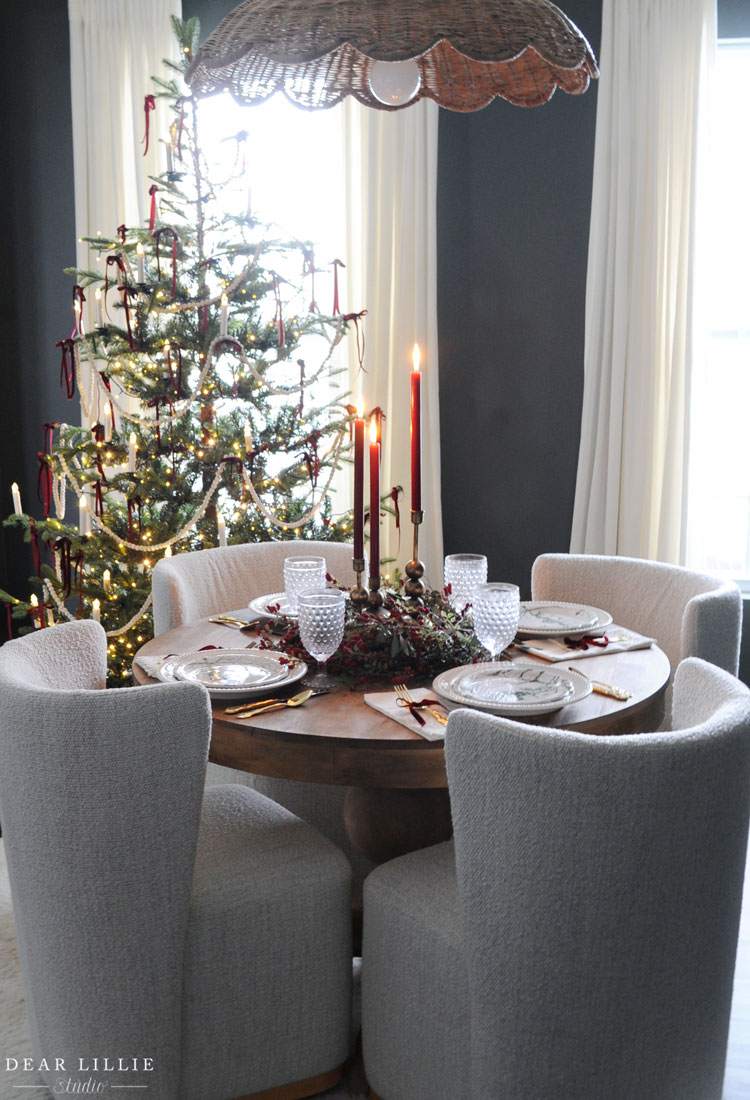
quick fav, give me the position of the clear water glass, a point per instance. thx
(496, 610)
(321, 623)
(301, 571)
(464, 573)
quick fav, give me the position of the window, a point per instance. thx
(285, 165)
(719, 482)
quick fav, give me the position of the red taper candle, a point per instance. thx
(359, 484)
(416, 433)
(374, 500)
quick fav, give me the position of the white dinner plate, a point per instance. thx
(261, 604)
(233, 673)
(511, 687)
(552, 619)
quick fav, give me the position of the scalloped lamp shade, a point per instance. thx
(390, 53)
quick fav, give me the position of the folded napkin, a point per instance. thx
(619, 640)
(150, 665)
(387, 703)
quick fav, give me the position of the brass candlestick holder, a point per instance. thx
(375, 596)
(415, 587)
(358, 593)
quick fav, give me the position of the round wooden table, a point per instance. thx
(398, 801)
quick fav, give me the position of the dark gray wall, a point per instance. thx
(514, 193)
(37, 242)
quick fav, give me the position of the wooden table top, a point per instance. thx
(337, 738)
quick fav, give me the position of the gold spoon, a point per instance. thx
(250, 711)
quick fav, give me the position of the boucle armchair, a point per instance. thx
(209, 936)
(578, 942)
(205, 582)
(690, 614)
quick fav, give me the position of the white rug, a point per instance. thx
(14, 1036)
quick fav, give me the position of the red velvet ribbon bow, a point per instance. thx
(360, 333)
(128, 292)
(118, 261)
(157, 238)
(98, 499)
(394, 497)
(77, 576)
(122, 231)
(152, 214)
(416, 705)
(105, 379)
(149, 105)
(67, 367)
(78, 297)
(135, 504)
(336, 265)
(62, 547)
(44, 482)
(311, 458)
(587, 640)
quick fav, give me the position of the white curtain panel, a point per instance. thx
(116, 46)
(631, 487)
(392, 273)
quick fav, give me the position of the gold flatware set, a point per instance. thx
(249, 710)
(407, 700)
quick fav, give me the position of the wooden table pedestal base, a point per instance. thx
(385, 822)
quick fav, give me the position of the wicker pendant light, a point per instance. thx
(390, 53)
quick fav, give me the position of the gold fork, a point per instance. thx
(405, 696)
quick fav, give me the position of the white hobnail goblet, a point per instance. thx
(496, 611)
(320, 615)
(302, 571)
(464, 573)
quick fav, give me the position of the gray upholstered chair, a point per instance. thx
(690, 614)
(205, 582)
(577, 939)
(208, 935)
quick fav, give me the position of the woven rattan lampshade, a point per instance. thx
(461, 53)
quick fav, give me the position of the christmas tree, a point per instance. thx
(207, 384)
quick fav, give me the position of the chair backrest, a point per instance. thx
(204, 582)
(690, 614)
(601, 882)
(100, 796)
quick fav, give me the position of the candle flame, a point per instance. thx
(33, 600)
(14, 487)
(98, 294)
(132, 437)
(224, 301)
(415, 356)
(360, 409)
(139, 249)
(96, 604)
(83, 503)
(168, 552)
(373, 429)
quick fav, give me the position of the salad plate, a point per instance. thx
(261, 604)
(511, 687)
(553, 619)
(232, 673)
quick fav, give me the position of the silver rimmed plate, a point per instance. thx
(277, 600)
(552, 619)
(233, 673)
(511, 687)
